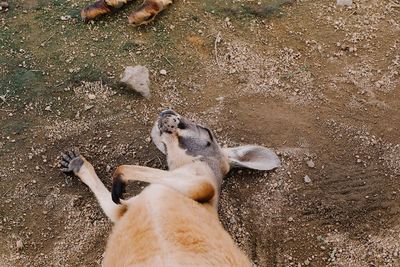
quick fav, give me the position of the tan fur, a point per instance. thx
(203, 192)
(148, 11)
(164, 228)
(174, 220)
(144, 14)
(88, 175)
(95, 10)
(185, 180)
(164, 225)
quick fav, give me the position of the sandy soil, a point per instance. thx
(317, 83)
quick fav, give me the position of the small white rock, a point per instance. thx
(163, 72)
(4, 4)
(307, 179)
(88, 107)
(91, 96)
(66, 17)
(20, 245)
(344, 2)
(310, 163)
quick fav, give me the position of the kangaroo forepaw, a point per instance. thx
(71, 161)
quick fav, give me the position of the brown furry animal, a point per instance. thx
(174, 220)
(144, 14)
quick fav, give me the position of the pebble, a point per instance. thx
(137, 79)
(20, 245)
(307, 179)
(163, 72)
(4, 4)
(66, 17)
(333, 253)
(91, 96)
(344, 2)
(310, 163)
(88, 107)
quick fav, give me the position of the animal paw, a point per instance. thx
(71, 161)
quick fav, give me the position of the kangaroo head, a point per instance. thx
(184, 142)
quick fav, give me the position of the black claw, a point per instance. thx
(65, 157)
(71, 154)
(118, 189)
(64, 163)
(65, 170)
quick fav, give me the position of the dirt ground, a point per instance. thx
(317, 83)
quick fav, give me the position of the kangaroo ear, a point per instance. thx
(252, 157)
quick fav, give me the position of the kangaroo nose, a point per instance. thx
(168, 112)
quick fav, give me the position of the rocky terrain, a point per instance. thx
(317, 82)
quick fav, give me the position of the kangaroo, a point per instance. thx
(144, 14)
(174, 220)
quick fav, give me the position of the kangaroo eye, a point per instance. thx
(208, 144)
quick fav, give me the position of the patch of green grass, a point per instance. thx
(161, 36)
(10, 40)
(15, 127)
(22, 80)
(41, 4)
(129, 46)
(264, 10)
(58, 2)
(87, 73)
(75, 13)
